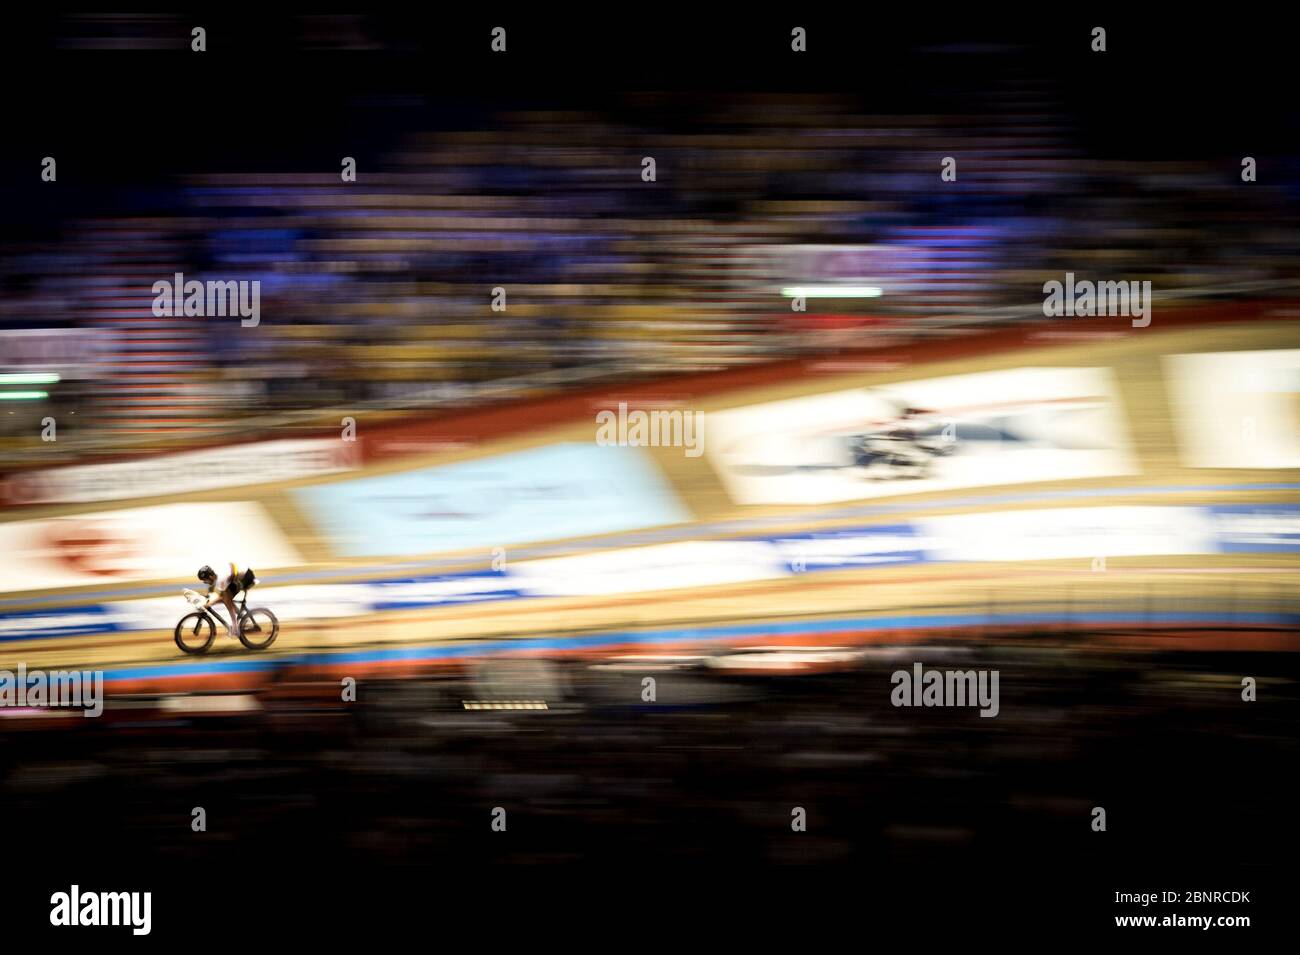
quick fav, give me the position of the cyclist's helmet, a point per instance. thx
(206, 573)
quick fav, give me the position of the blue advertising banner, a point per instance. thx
(1256, 528)
(557, 491)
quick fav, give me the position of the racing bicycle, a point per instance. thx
(197, 629)
(885, 456)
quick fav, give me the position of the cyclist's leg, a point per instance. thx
(229, 601)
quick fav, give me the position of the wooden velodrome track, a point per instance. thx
(902, 598)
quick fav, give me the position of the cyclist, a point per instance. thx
(898, 445)
(224, 589)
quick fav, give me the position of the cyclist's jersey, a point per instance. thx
(228, 583)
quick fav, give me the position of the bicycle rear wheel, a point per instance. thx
(195, 633)
(258, 629)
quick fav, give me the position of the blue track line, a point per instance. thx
(616, 638)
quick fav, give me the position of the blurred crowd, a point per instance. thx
(713, 770)
(382, 290)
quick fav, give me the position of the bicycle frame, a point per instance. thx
(243, 609)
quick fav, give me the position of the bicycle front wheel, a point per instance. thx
(195, 633)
